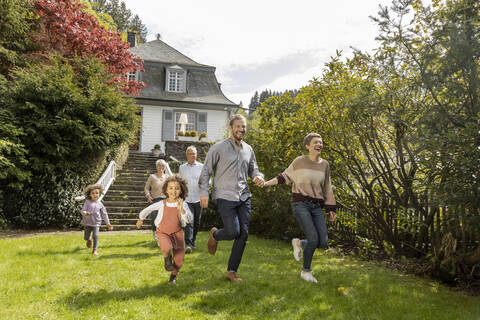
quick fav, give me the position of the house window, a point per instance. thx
(131, 76)
(176, 79)
(184, 121)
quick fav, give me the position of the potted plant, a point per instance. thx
(202, 136)
(157, 149)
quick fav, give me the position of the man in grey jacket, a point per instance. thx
(231, 162)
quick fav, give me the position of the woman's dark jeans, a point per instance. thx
(310, 217)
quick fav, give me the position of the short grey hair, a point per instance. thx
(161, 161)
(193, 148)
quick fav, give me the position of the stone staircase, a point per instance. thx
(125, 198)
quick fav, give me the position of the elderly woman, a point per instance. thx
(153, 188)
(311, 195)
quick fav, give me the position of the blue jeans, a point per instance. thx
(191, 229)
(236, 219)
(310, 217)
(154, 214)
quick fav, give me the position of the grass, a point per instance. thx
(56, 277)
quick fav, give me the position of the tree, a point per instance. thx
(71, 117)
(122, 17)
(15, 27)
(82, 35)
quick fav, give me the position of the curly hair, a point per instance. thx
(92, 187)
(181, 181)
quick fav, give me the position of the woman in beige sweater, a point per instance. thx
(153, 188)
(311, 195)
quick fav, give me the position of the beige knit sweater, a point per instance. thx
(310, 181)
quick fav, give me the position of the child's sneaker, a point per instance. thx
(173, 279)
(94, 252)
(297, 250)
(89, 243)
(169, 264)
(307, 276)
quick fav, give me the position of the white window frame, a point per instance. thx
(191, 125)
(131, 76)
(176, 80)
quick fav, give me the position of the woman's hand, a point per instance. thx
(149, 198)
(139, 223)
(271, 182)
(109, 227)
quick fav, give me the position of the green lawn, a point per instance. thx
(56, 277)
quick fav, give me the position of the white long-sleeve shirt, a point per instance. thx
(184, 218)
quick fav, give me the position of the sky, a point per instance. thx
(263, 44)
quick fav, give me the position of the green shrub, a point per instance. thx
(47, 201)
(180, 133)
(193, 133)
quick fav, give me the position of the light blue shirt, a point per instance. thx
(191, 173)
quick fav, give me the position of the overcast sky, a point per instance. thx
(263, 44)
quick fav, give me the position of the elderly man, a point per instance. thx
(190, 171)
(231, 162)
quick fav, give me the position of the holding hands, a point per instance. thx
(259, 182)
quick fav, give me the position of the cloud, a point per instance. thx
(245, 78)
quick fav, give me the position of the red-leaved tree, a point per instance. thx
(66, 29)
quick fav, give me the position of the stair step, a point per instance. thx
(119, 209)
(124, 197)
(128, 192)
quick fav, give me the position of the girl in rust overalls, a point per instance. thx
(173, 215)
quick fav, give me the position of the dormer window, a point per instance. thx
(176, 79)
(131, 76)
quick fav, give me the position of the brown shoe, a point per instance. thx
(232, 276)
(212, 243)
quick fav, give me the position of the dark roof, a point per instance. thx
(159, 51)
(202, 84)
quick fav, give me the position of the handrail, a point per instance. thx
(106, 180)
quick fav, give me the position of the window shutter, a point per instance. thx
(201, 122)
(168, 133)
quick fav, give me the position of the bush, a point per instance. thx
(202, 135)
(180, 133)
(193, 133)
(47, 201)
(157, 146)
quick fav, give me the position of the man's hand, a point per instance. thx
(259, 182)
(109, 227)
(204, 202)
(139, 223)
(332, 216)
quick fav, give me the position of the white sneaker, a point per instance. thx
(155, 236)
(297, 251)
(307, 276)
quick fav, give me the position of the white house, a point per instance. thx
(178, 88)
